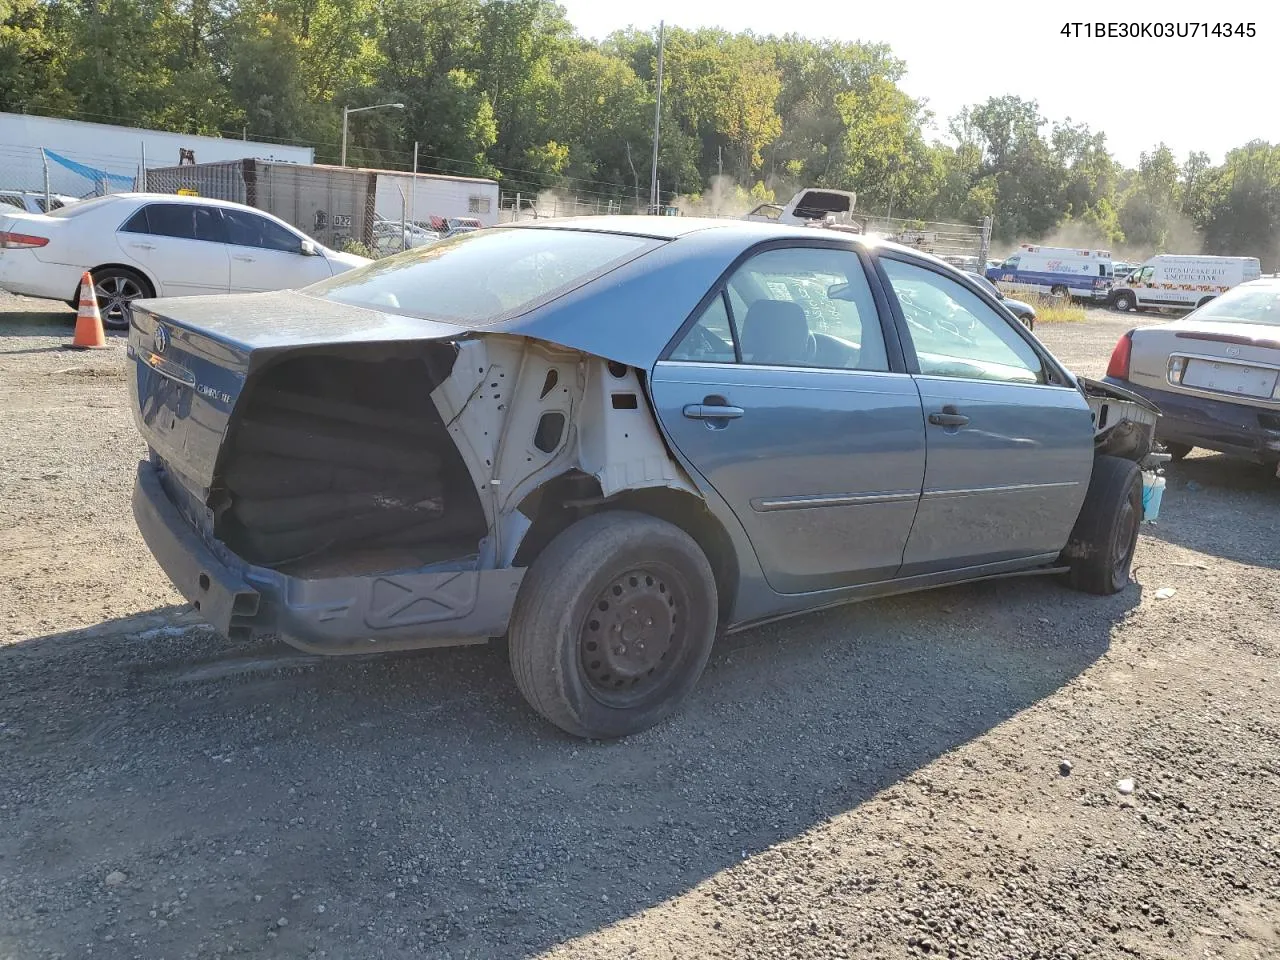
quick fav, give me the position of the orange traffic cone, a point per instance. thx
(89, 332)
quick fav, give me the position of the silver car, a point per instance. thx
(1215, 374)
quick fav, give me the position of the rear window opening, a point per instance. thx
(339, 465)
(816, 204)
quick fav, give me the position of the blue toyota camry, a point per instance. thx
(609, 439)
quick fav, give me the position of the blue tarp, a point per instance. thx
(90, 173)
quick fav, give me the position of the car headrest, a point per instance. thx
(775, 331)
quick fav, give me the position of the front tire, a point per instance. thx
(1100, 551)
(1058, 291)
(1123, 302)
(613, 625)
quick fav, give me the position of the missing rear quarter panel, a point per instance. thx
(339, 464)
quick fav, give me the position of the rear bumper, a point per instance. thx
(1233, 428)
(23, 273)
(338, 615)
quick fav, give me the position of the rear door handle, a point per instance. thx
(948, 418)
(242, 258)
(143, 246)
(707, 411)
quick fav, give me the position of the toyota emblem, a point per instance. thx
(161, 340)
(1233, 351)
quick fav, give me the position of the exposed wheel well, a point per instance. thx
(571, 496)
(75, 294)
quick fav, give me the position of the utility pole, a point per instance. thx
(414, 196)
(347, 111)
(657, 119)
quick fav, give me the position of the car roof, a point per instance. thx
(647, 298)
(728, 229)
(179, 198)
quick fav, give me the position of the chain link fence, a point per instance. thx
(964, 245)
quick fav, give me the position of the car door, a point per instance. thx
(266, 255)
(785, 394)
(181, 245)
(1009, 440)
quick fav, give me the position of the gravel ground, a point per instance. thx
(935, 775)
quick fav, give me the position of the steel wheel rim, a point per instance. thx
(634, 636)
(114, 293)
(1126, 541)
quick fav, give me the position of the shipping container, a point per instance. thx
(331, 204)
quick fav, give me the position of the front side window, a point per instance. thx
(246, 229)
(955, 334)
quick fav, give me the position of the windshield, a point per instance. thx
(482, 276)
(1244, 305)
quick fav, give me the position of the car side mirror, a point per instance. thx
(308, 249)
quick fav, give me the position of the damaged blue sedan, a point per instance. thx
(610, 439)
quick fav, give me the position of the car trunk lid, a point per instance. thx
(1237, 361)
(194, 355)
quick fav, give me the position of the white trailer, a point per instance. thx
(114, 150)
(423, 196)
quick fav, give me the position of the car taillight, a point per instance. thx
(20, 241)
(1118, 367)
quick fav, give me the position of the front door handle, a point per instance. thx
(709, 411)
(143, 246)
(242, 258)
(948, 418)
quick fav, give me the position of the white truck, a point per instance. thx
(1181, 282)
(810, 207)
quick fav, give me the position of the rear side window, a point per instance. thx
(484, 275)
(250, 230)
(185, 221)
(137, 223)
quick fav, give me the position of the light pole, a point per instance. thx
(347, 111)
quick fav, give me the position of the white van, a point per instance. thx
(1171, 280)
(1057, 271)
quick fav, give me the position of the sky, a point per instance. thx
(1209, 94)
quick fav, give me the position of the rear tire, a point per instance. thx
(115, 288)
(1123, 302)
(613, 625)
(1177, 451)
(1058, 291)
(1100, 551)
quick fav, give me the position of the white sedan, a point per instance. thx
(157, 245)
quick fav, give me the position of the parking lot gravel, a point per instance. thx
(1001, 770)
